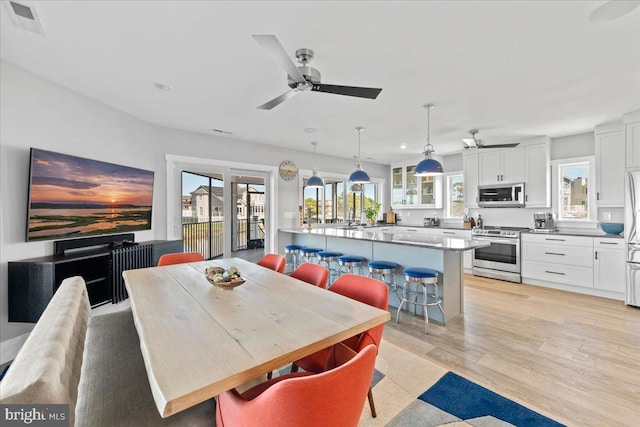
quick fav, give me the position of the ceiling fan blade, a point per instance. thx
(278, 100)
(273, 45)
(515, 144)
(360, 92)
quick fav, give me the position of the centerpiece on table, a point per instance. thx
(224, 278)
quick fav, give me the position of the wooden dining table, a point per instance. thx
(198, 340)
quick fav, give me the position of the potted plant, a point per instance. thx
(371, 212)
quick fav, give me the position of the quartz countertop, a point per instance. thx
(397, 237)
(587, 232)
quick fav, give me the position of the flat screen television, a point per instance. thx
(73, 197)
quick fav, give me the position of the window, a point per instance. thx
(327, 205)
(455, 196)
(574, 182)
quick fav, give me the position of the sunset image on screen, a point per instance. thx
(73, 196)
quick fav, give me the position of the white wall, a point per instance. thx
(580, 145)
(37, 113)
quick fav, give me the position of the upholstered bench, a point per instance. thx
(92, 363)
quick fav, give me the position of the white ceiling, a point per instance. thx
(510, 68)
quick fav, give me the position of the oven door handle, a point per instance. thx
(513, 242)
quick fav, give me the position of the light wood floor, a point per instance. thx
(572, 357)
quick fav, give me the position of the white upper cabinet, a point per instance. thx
(537, 187)
(408, 190)
(632, 138)
(470, 170)
(496, 166)
(610, 163)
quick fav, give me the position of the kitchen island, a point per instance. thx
(442, 254)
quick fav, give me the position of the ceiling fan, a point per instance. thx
(304, 78)
(474, 142)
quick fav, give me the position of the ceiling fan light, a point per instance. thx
(428, 167)
(359, 177)
(469, 141)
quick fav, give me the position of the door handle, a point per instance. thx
(554, 272)
(554, 253)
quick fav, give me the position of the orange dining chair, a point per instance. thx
(302, 399)
(275, 262)
(315, 274)
(179, 258)
(360, 288)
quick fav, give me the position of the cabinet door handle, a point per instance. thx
(497, 177)
(448, 232)
(609, 243)
(554, 253)
(411, 229)
(526, 198)
(554, 272)
(596, 253)
(501, 177)
(556, 240)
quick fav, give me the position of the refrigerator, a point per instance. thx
(632, 236)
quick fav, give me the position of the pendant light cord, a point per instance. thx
(359, 129)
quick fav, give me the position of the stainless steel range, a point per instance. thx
(501, 259)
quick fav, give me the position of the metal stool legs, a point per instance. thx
(410, 296)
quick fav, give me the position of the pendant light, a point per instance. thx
(315, 181)
(428, 166)
(359, 176)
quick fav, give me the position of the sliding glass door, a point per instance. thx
(202, 206)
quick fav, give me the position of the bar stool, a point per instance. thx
(307, 253)
(420, 277)
(292, 251)
(349, 262)
(325, 258)
(382, 269)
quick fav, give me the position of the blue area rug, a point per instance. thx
(466, 400)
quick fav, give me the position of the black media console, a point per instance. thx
(99, 260)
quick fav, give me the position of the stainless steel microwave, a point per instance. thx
(501, 196)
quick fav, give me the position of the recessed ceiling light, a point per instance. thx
(309, 130)
(161, 86)
(612, 10)
(403, 146)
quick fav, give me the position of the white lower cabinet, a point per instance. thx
(595, 266)
(559, 259)
(609, 265)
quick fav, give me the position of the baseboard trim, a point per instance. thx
(9, 348)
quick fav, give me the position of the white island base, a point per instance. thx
(406, 251)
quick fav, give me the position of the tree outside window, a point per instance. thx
(455, 196)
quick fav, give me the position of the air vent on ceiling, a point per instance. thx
(226, 132)
(25, 17)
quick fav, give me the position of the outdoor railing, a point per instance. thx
(207, 238)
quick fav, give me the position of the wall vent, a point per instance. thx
(25, 17)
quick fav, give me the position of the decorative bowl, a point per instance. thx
(228, 285)
(612, 227)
